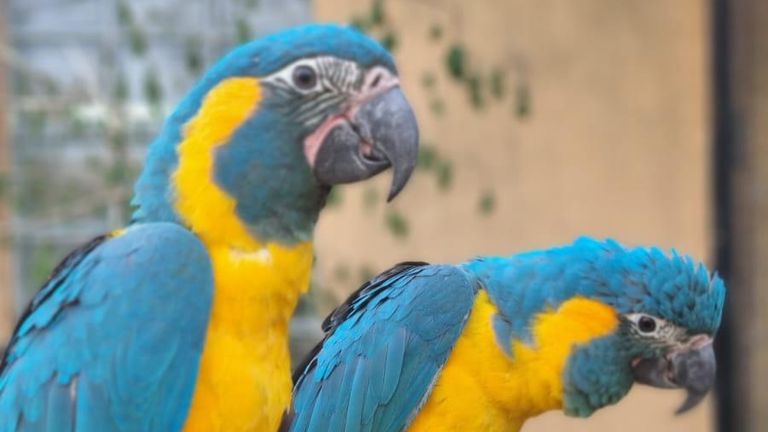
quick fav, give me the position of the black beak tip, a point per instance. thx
(692, 370)
(691, 400)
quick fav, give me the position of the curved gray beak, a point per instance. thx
(691, 368)
(383, 133)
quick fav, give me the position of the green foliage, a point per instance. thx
(193, 57)
(153, 91)
(428, 80)
(3, 186)
(475, 89)
(243, 30)
(444, 172)
(436, 32)
(397, 224)
(371, 197)
(334, 197)
(120, 91)
(137, 40)
(428, 157)
(124, 14)
(365, 273)
(43, 260)
(487, 203)
(389, 41)
(377, 16)
(522, 101)
(437, 106)
(497, 83)
(360, 23)
(455, 61)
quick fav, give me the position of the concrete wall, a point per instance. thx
(616, 144)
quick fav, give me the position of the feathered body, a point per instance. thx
(180, 320)
(490, 343)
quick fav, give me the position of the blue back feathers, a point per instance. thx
(108, 343)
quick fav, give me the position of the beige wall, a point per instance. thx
(616, 145)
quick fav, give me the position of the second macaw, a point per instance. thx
(487, 344)
(180, 320)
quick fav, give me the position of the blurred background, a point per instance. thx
(642, 120)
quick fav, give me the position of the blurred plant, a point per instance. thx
(484, 85)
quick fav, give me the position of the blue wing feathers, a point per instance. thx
(383, 350)
(113, 340)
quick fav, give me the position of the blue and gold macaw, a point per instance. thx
(485, 345)
(180, 320)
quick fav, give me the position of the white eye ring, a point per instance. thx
(285, 76)
(646, 324)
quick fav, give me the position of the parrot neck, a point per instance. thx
(213, 170)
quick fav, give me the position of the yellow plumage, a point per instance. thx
(244, 383)
(482, 389)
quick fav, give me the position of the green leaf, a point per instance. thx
(153, 91)
(475, 88)
(455, 62)
(124, 14)
(397, 224)
(42, 261)
(497, 83)
(427, 157)
(243, 30)
(120, 92)
(522, 101)
(334, 198)
(117, 173)
(137, 41)
(437, 106)
(366, 273)
(360, 23)
(435, 32)
(193, 55)
(389, 41)
(370, 198)
(487, 203)
(3, 186)
(377, 13)
(444, 173)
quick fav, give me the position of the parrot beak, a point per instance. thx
(382, 132)
(691, 367)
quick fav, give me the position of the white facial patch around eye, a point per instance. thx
(333, 75)
(664, 331)
(647, 325)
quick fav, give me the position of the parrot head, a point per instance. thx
(273, 125)
(668, 310)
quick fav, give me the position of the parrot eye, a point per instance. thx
(304, 77)
(646, 324)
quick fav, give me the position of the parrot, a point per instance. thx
(179, 320)
(489, 343)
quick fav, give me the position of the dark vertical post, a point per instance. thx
(740, 29)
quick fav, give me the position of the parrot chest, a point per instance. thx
(482, 388)
(244, 381)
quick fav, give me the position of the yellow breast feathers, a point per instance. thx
(244, 382)
(481, 388)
